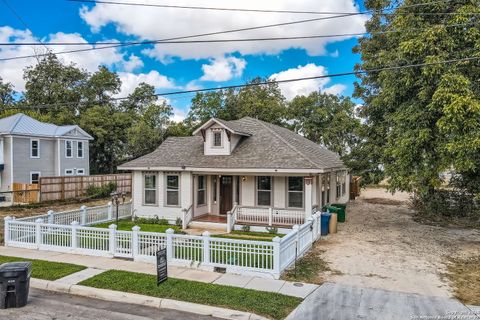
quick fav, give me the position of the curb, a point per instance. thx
(137, 299)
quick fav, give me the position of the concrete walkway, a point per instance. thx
(97, 265)
(338, 301)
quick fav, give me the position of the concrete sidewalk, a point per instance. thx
(98, 264)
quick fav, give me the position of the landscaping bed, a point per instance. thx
(46, 270)
(272, 305)
(464, 275)
(250, 235)
(127, 225)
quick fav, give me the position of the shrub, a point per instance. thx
(104, 191)
(154, 220)
(179, 222)
(448, 203)
(272, 230)
(246, 228)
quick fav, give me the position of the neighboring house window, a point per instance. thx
(34, 177)
(79, 149)
(69, 172)
(80, 172)
(201, 191)
(34, 148)
(68, 148)
(264, 191)
(295, 192)
(173, 187)
(150, 189)
(217, 138)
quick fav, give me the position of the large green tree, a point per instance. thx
(422, 121)
(6, 94)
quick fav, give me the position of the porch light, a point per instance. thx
(244, 178)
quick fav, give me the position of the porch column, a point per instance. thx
(333, 187)
(308, 197)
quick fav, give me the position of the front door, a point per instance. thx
(226, 194)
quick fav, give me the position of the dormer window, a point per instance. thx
(217, 138)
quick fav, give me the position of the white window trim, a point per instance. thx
(287, 205)
(221, 138)
(38, 148)
(71, 148)
(156, 189)
(204, 191)
(35, 172)
(177, 190)
(80, 174)
(69, 174)
(83, 149)
(257, 190)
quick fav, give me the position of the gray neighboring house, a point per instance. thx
(246, 163)
(30, 149)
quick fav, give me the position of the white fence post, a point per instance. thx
(169, 243)
(270, 216)
(74, 243)
(206, 247)
(184, 218)
(50, 216)
(83, 217)
(111, 238)
(6, 235)
(311, 220)
(229, 221)
(276, 257)
(297, 236)
(38, 234)
(110, 210)
(135, 247)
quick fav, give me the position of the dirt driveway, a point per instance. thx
(381, 246)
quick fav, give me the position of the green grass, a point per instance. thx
(127, 225)
(46, 270)
(272, 305)
(242, 235)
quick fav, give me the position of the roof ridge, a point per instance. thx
(21, 115)
(286, 142)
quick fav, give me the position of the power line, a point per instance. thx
(128, 43)
(246, 9)
(387, 68)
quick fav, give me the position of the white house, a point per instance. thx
(259, 171)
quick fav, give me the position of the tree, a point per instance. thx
(6, 94)
(326, 119)
(425, 120)
(100, 86)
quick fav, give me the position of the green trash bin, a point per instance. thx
(342, 208)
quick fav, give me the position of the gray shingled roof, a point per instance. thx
(22, 124)
(269, 147)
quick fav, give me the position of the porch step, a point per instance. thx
(207, 225)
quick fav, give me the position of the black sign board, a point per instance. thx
(161, 265)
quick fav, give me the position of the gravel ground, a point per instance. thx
(381, 246)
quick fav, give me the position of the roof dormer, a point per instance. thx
(219, 138)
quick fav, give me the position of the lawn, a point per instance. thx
(308, 268)
(272, 305)
(464, 274)
(46, 270)
(250, 235)
(127, 225)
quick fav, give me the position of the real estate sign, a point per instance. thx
(162, 273)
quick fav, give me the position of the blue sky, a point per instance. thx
(179, 67)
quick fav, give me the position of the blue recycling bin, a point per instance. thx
(325, 220)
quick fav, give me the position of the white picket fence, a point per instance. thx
(263, 258)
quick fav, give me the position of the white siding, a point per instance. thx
(279, 192)
(248, 191)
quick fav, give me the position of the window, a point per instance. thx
(69, 172)
(201, 191)
(295, 192)
(34, 177)
(237, 190)
(338, 184)
(173, 187)
(214, 188)
(324, 196)
(34, 148)
(328, 187)
(68, 148)
(79, 149)
(217, 138)
(150, 189)
(264, 191)
(344, 181)
(80, 172)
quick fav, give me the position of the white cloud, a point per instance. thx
(130, 81)
(178, 115)
(178, 22)
(305, 87)
(223, 69)
(133, 63)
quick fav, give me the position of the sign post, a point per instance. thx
(162, 273)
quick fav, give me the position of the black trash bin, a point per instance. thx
(14, 284)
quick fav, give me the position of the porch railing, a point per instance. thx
(269, 216)
(187, 216)
(232, 218)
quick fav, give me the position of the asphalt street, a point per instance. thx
(45, 305)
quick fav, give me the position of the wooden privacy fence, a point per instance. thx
(67, 187)
(25, 193)
(355, 187)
